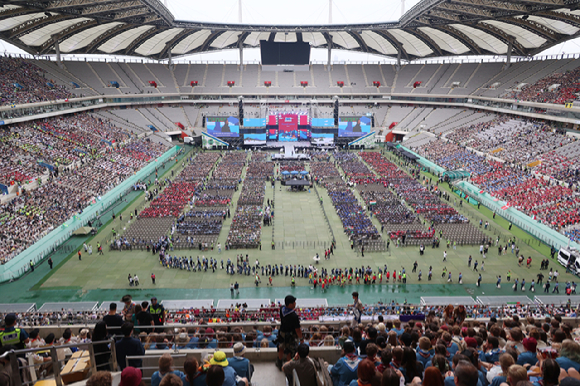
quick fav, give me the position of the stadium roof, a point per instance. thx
(432, 28)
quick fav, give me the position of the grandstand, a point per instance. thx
(446, 175)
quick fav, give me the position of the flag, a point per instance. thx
(505, 206)
(481, 191)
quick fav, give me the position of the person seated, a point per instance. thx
(239, 363)
(231, 377)
(303, 365)
(165, 367)
(345, 369)
(100, 378)
(194, 375)
(529, 355)
(171, 380)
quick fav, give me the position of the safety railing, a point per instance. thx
(31, 364)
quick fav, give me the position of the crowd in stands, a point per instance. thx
(75, 156)
(553, 204)
(441, 345)
(557, 88)
(24, 82)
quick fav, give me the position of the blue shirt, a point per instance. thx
(449, 381)
(157, 377)
(527, 357)
(498, 380)
(192, 343)
(199, 380)
(345, 371)
(230, 376)
(566, 363)
(493, 355)
(424, 356)
(241, 365)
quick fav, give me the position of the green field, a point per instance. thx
(299, 232)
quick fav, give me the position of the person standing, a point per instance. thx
(13, 336)
(79, 253)
(157, 311)
(358, 307)
(50, 262)
(128, 346)
(237, 288)
(479, 280)
(152, 277)
(290, 331)
(31, 266)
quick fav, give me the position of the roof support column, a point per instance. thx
(241, 48)
(509, 55)
(169, 64)
(57, 50)
(329, 42)
(398, 59)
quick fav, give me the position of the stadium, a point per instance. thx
(184, 212)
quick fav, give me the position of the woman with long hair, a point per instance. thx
(102, 350)
(409, 365)
(432, 377)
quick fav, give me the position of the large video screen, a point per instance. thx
(255, 122)
(353, 126)
(322, 135)
(255, 137)
(274, 53)
(322, 122)
(272, 134)
(223, 126)
(288, 128)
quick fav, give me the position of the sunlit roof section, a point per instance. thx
(314, 38)
(344, 39)
(12, 22)
(253, 39)
(226, 39)
(524, 37)
(41, 35)
(445, 41)
(155, 44)
(483, 39)
(378, 43)
(191, 42)
(122, 41)
(84, 38)
(411, 44)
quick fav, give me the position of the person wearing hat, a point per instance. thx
(13, 336)
(303, 365)
(239, 363)
(231, 377)
(529, 354)
(129, 308)
(157, 311)
(345, 369)
(289, 330)
(131, 376)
